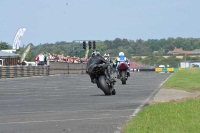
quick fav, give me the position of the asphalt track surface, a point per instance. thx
(72, 104)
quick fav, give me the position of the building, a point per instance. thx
(189, 64)
(155, 52)
(196, 51)
(7, 58)
(179, 51)
(10, 51)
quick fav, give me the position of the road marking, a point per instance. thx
(78, 111)
(148, 99)
(45, 121)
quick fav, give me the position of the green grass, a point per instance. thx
(180, 117)
(172, 117)
(187, 79)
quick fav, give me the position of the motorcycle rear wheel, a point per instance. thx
(123, 74)
(104, 86)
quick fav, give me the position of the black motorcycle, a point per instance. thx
(99, 71)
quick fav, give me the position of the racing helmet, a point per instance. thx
(95, 52)
(121, 53)
(106, 55)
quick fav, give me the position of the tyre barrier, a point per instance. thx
(163, 70)
(170, 69)
(60, 68)
(23, 71)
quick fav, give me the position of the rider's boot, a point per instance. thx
(107, 81)
(117, 71)
(118, 75)
(128, 73)
(113, 92)
(93, 81)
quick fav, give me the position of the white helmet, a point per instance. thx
(121, 54)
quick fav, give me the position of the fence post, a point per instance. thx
(7, 71)
(0, 72)
(82, 67)
(68, 68)
(48, 67)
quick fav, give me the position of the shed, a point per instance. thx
(8, 58)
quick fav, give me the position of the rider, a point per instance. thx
(120, 59)
(110, 67)
(106, 55)
(96, 58)
(107, 58)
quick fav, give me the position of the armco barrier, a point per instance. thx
(146, 69)
(23, 71)
(66, 68)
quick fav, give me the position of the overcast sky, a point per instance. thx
(49, 21)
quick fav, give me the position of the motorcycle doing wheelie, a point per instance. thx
(99, 71)
(123, 72)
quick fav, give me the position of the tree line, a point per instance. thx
(137, 47)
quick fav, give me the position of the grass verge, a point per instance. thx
(173, 117)
(187, 79)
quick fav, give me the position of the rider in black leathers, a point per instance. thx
(110, 67)
(96, 58)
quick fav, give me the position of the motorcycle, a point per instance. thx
(123, 73)
(99, 71)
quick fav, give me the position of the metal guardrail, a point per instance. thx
(66, 68)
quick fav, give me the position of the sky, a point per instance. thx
(50, 21)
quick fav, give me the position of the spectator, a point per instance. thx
(45, 58)
(18, 63)
(23, 63)
(7, 64)
(37, 59)
(41, 59)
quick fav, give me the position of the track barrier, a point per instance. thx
(54, 68)
(23, 71)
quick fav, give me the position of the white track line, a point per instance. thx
(78, 111)
(146, 100)
(45, 121)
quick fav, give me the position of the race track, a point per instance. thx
(71, 103)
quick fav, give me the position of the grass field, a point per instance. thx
(175, 117)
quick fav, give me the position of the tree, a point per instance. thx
(4, 46)
(117, 42)
(30, 57)
(20, 51)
